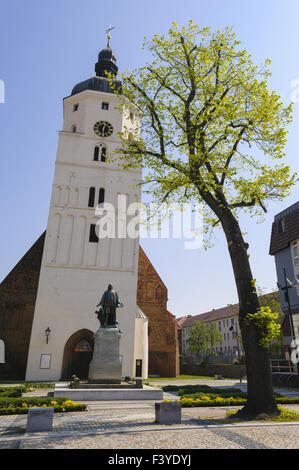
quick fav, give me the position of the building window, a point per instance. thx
(2, 352)
(75, 107)
(103, 154)
(93, 238)
(92, 192)
(105, 106)
(295, 252)
(83, 346)
(101, 195)
(132, 116)
(281, 225)
(96, 154)
(74, 129)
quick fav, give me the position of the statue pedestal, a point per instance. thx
(105, 366)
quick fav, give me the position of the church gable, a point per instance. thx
(151, 288)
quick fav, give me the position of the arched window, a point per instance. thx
(103, 154)
(74, 129)
(2, 352)
(101, 195)
(92, 192)
(96, 153)
(83, 346)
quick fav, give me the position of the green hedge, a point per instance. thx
(12, 402)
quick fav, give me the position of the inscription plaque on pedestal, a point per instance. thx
(105, 366)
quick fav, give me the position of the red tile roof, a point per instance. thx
(213, 315)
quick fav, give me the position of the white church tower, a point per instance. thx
(77, 266)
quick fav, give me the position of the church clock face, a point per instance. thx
(103, 128)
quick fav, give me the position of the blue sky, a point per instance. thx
(48, 47)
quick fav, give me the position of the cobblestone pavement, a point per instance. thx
(130, 425)
(107, 426)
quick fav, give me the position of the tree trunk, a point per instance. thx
(259, 378)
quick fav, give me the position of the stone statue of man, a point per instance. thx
(108, 305)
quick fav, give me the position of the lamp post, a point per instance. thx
(238, 349)
(289, 285)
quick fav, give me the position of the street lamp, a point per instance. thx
(47, 333)
(289, 285)
(238, 349)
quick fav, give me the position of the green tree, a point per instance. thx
(209, 127)
(202, 338)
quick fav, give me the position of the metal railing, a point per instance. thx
(282, 366)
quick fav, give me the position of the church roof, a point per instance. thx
(106, 64)
(97, 84)
(139, 313)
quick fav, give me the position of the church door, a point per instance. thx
(81, 357)
(77, 355)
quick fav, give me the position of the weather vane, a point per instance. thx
(108, 34)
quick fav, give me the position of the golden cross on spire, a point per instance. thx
(108, 34)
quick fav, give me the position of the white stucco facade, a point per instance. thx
(75, 271)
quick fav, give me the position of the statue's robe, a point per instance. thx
(109, 302)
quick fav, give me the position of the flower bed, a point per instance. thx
(9, 406)
(65, 407)
(205, 400)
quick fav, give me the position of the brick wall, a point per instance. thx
(17, 302)
(162, 326)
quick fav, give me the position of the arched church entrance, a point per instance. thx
(77, 355)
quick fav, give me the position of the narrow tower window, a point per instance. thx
(75, 107)
(101, 195)
(103, 154)
(74, 129)
(96, 154)
(91, 197)
(93, 238)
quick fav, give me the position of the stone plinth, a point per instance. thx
(96, 394)
(40, 419)
(168, 413)
(105, 366)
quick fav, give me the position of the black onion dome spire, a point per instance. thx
(106, 63)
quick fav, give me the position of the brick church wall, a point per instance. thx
(17, 302)
(162, 326)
